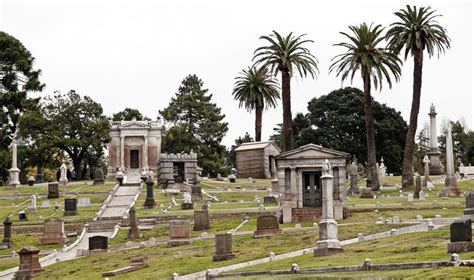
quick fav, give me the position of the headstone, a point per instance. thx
(196, 194)
(269, 200)
(366, 193)
(70, 207)
(32, 208)
(84, 202)
(29, 263)
(410, 197)
(469, 210)
(419, 217)
(461, 237)
(98, 243)
(133, 231)
(267, 225)
(223, 247)
(53, 232)
(149, 200)
(201, 220)
(45, 204)
(219, 177)
(99, 177)
(187, 203)
(396, 220)
(179, 234)
(63, 181)
(7, 233)
(53, 190)
(22, 216)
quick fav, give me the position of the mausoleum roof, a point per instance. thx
(256, 146)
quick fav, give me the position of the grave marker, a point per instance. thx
(223, 247)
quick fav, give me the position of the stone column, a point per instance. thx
(426, 162)
(145, 153)
(14, 180)
(122, 152)
(434, 154)
(294, 188)
(328, 242)
(450, 184)
(7, 232)
(149, 200)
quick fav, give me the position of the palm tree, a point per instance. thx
(374, 63)
(255, 89)
(286, 55)
(417, 31)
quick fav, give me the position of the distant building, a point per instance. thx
(256, 159)
(134, 145)
(299, 182)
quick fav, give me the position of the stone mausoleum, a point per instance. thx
(134, 145)
(256, 159)
(177, 168)
(299, 182)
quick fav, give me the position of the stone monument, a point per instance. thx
(99, 177)
(29, 263)
(469, 210)
(354, 176)
(133, 231)
(267, 225)
(434, 154)
(450, 185)
(416, 193)
(63, 179)
(179, 234)
(32, 208)
(98, 243)
(382, 170)
(223, 247)
(461, 237)
(149, 200)
(7, 233)
(14, 180)
(70, 207)
(187, 203)
(196, 194)
(53, 232)
(426, 162)
(328, 242)
(53, 190)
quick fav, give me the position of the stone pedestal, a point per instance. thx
(14, 180)
(53, 232)
(7, 233)
(149, 200)
(435, 163)
(133, 231)
(223, 247)
(267, 225)
(201, 220)
(328, 242)
(29, 263)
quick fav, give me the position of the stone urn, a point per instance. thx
(31, 181)
(232, 178)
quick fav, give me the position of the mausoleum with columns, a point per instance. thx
(300, 184)
(135, 145)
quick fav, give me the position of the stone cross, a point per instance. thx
(328, 236)
(426, 162)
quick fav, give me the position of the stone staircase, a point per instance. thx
(103, 225)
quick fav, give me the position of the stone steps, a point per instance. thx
(103, 225)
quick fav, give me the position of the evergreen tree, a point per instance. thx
(232, 159)
(197, 124)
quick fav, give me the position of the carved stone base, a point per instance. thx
(267, 232)
(460, 247)
(327, 247)
(149, 203)
(218, 258)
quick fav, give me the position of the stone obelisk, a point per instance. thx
(434, 154)
(328, 242)
(14, 180)
(450, 184)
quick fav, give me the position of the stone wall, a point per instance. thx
(166, 162)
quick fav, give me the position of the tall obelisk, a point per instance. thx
(434, 154)
(450, 185)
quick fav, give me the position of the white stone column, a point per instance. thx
(14, 180)
(426, 162)
(122, 152)
(450, 184)
(434, 154)
(328, 242)
(145, 153)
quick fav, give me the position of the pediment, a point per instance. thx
(134, 124)
(312, 151)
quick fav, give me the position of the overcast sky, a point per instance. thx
(136, 53)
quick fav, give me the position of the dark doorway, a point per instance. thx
(312, 192)
(134, 160)
(178, 172)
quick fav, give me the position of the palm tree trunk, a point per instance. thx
(286, 103)
(258, 122)
(407, 173)
(372, 174)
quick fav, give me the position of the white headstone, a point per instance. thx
(410, 197)
(84, 202)
(45, 204)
